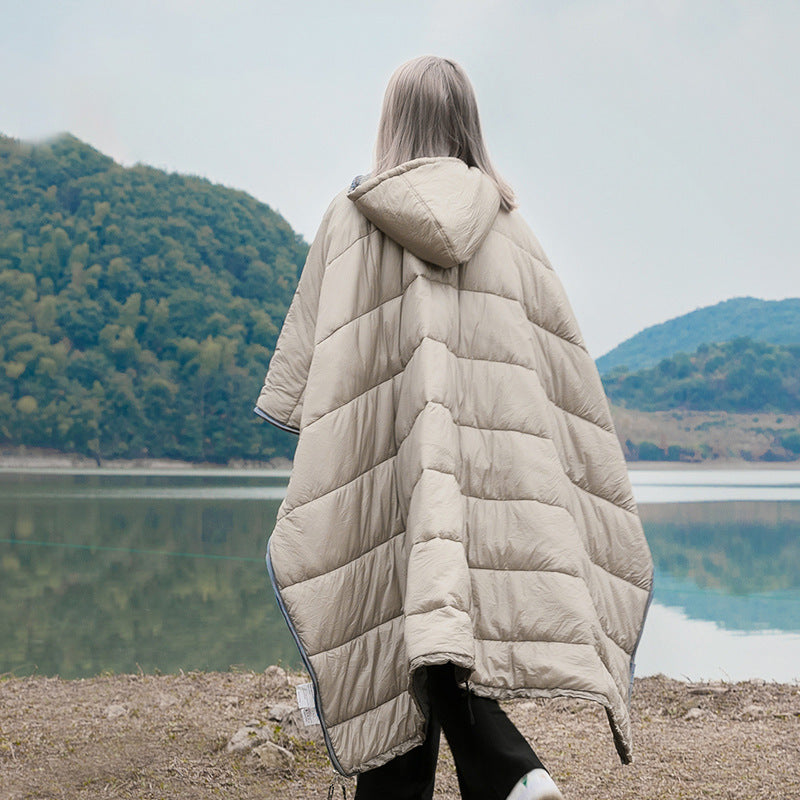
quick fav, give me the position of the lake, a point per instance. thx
(121, 570)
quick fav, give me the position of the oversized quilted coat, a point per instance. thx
(458, 491)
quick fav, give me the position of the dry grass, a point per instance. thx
(61, 739)
(727, 437)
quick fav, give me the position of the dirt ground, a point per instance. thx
(150, 737)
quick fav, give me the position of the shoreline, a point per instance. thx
(46, 460)
(30, 460)
(721, 464)
(297, 675)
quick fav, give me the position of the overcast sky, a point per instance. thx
(653, 145)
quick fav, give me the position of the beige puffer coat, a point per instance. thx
(458, 491)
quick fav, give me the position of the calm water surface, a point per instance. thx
(120, 570)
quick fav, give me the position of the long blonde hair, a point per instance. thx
(429, 109)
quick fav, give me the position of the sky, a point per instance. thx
(653, 145)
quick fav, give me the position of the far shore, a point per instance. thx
(35, 460)
(719, 463)
(44, 460)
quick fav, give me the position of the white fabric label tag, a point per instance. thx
(305, 700)
(309, 716)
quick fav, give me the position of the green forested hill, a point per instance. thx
(139, 308)
(775, 321)
(737, 376)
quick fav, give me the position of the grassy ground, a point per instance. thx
(150, 737)
(723, 437)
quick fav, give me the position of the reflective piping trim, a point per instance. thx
(639, 637)
(276, 422)
(306, 662)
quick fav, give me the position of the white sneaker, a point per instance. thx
(536, 785)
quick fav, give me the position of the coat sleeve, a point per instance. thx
(281, 398)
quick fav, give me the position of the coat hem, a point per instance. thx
(621, 743)
(307, 662)
(417, 678)
(276, 422)
(398, 750)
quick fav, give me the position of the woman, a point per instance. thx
(459, 526)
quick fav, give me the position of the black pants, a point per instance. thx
(490, 754)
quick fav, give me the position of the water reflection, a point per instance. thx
(110, 571)
(727, 599)
(736, 547)
(114, 572)
(674, 644)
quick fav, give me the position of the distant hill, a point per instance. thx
(738, 399)
(139, 308)
(138, 311)
(741, 376)
(775, 321)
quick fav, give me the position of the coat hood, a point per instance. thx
(438, 208)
